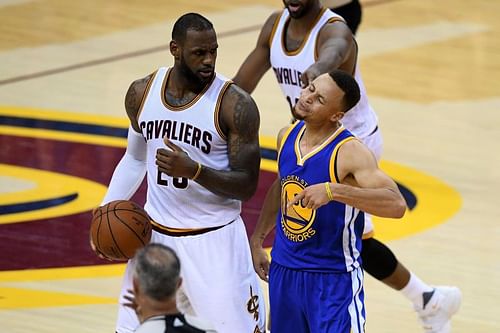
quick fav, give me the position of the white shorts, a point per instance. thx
(218, 279)
(375, 143)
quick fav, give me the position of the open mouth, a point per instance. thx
(206, 73)
(294, 7)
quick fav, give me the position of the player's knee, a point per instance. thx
(378, 259)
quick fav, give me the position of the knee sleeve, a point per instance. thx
(378, 259)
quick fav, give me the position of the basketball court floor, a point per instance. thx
(432, 72)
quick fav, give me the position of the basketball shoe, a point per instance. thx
(439, 306)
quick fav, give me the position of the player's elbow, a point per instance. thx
(248, 191)
(399, 208)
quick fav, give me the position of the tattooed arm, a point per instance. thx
(239, 119)
(130, 171)
(133, 99)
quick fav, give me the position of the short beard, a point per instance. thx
(190, 75)
(296, 15)
(300, 13)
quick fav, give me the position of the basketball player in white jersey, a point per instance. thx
(301, 42)
(195, 135)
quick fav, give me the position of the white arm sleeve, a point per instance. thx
(130, 171)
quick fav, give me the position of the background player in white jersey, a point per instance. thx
(196, 135)
(300, 43)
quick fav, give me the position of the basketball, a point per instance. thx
(119, 228)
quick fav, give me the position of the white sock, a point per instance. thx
(414, 290)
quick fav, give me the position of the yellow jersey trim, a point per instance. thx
(302, 159)
(283, 139)
(333, 160)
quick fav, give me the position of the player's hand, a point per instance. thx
(91, 242)
(312, 197)
(309, 75)
(260, 261)
(96, 251)
(174, 161)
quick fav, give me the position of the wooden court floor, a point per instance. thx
(432, 71)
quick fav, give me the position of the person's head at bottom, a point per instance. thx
(156, 280)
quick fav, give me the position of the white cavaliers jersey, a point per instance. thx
(288, 67)
(180, 202)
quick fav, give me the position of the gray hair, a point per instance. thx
(157, 270)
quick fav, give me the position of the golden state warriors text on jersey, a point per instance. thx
(296, 220)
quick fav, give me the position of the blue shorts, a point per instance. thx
(303, 302)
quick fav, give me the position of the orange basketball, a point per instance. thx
(119, 229)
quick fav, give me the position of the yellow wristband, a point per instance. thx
(328, 191)
(198, 171)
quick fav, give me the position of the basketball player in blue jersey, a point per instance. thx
(301, 42)
(327, 179)
(195, 135)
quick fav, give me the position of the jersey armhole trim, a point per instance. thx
(356, 61)
(217, 109)
(275, 26)
(330, 20)
(146, 93)
(284, 138)
(334, 177)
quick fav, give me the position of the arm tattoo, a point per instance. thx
(131, 99)
(242, 118)
(134, 96)
(246, 122)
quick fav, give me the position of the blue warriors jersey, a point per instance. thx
(327, 239)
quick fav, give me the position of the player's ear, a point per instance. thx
(337, 116)
(179, 283)
(174, 49)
